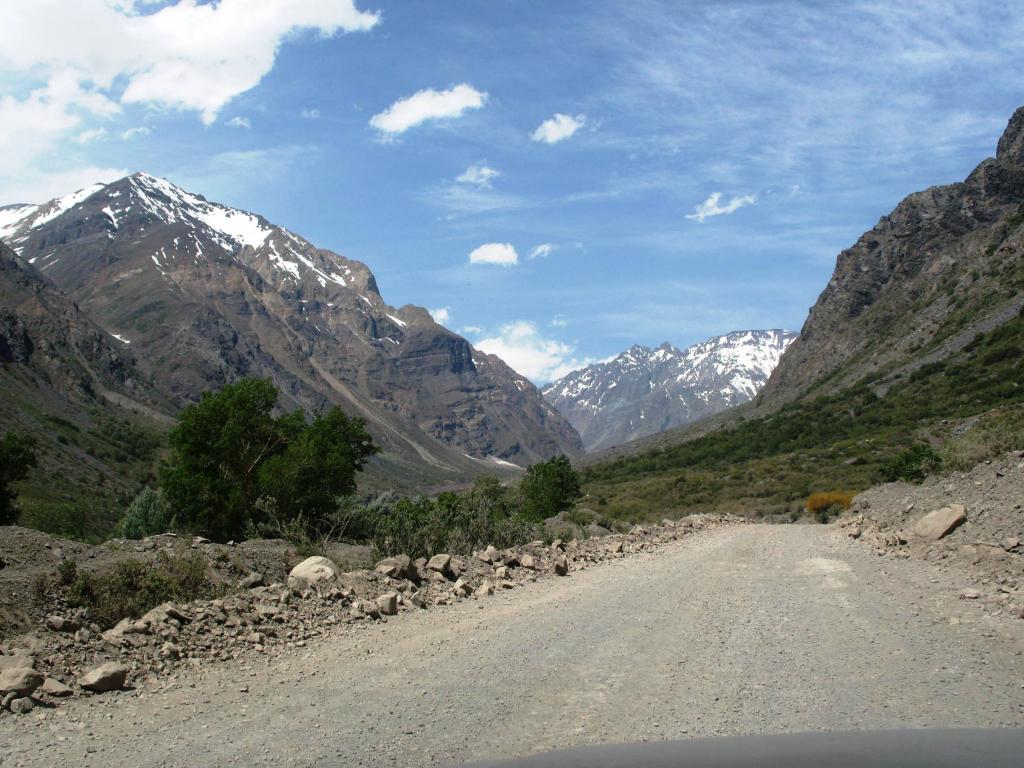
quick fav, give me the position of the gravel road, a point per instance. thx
(747, 629)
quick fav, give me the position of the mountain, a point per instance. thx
(202, 294)
(644, 391)
(75, 388)
(944, 266)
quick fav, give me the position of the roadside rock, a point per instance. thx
(937, 524)
(398, 567)
(62, 624)
(440, 564)
(53, 687)
(20, 680)
(107, 677)
(310, 571)
(387, 603)
(22, 706)
(486, 589)
(561, 566)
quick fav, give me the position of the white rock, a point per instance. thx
(20, 680)
(312, 570)
(107, 677)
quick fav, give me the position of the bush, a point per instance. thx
(148, 515)
(912, 465)
(817, 502)
(453, 523)
(133, 587)
(17, 457)
(228, 451)
(549, 487)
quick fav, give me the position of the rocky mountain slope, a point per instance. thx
(943, 266)
(644, 391)
(203, 294)
(72, 385)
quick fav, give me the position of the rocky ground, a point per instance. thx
(737, 629)
(979, 533)
(270, 611)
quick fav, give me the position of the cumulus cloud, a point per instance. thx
(425, 105)
(522, 346)
(502, 254)
(479, 175)
(185, 55)
(558, 128)
(711, 206)
(240, 122)
(543, 250)
(441, 315)
(134, 133)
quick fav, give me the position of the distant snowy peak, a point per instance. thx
(644, 390)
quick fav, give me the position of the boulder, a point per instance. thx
(561, 566)
(937, 524)
(461, 587)
(311, 571)
(54, 687)
(21, 681)
(397, 567)
(106, 677)
(489, 555)
(528, 561)
(486, 589)
(440, 564)
(22, 706)
(62, 624)
(501, 572)
(387, 603)
(16, 662)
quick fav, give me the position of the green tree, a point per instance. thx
(148, 514)
(548, 488)
(222, 445)
(17, 457)
(316, 468)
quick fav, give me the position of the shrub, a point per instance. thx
(912, 465)
(17, 457)
(828, 504)
(67, 572)
(133, 587)
(148, 514)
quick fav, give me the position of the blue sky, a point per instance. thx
(676, 170)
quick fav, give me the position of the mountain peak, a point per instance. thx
(1011, 143)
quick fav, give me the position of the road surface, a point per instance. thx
(747, 629)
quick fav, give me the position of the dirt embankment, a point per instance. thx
(980, 531)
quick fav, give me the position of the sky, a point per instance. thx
(556, 181)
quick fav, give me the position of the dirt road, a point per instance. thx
(750, 629)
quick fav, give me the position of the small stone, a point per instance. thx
(54, 687)
(501, 572)
(970, 594)
(440, 563)
(62, 624)
(528, 561)
(107, 677)
(561, 566)
(616, 548)
(387, 603)
(21, 681)
(22, 706)
(170, 651)
(486, 589)
(558, 544)
(461, 587)
(254, 579)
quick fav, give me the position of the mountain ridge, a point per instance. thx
(204, 293)
(643, 391)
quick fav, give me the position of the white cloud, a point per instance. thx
(310, 114)
(427, 104)
(710, 207)
(134, 133)
(472, 329)
(479, 175)
(90, 135)
(186, 55)
(42, 186)
(543, 250)
(559, 321)
(441, 315)
(521, 345)
(558, 128)
(502, 254)
(239, 122)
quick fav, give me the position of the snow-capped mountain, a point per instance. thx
(643, 391)
(202, 293)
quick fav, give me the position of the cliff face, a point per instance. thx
(203, 294)
(943, 266)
